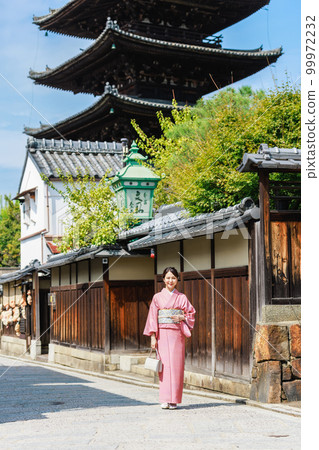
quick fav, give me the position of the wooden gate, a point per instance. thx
(231, 322)
(129, 303)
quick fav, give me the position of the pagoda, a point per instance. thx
(149, 53)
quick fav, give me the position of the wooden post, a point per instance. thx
(106, 288)
(36, 304)
(212, 280)
(265, 234)
(181, 259)
(213, 323)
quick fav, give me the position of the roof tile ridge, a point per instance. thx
(253, 52)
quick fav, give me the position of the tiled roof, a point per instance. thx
(204, 54)
(22, 273)
(53, 157)
(100, 111)
(86, 18)
(273, 159)
(178, 225)
(102, 251)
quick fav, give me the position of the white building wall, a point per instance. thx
(58, 210)
(32, 211)
(42, 216)
(32, 248)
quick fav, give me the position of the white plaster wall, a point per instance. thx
(96, 269)
(58, 210)
(31, 249)
(230, 250)
(65, 275)
(197, 253)
(55, 276)
(168, 255)
(83, 271)
(134, 268)
(73, 273)
(32, 179)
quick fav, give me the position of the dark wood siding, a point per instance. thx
(79, 317)
(197, 287)
(231, 323)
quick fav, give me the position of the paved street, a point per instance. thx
(46, 408)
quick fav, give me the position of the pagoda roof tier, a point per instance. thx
(107, 119)
(138, 65)
(87, 18)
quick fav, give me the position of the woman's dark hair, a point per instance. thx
(172, 270)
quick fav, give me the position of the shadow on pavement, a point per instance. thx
(208, 405)
(27, 393)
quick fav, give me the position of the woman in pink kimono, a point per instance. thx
(170, 319)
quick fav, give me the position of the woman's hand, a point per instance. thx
(178, 318)
(153, 341)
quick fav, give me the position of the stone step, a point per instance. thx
(139, 369)
(111, 367)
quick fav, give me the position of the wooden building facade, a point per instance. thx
(102, 295)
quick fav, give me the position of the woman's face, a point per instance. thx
(170, 281)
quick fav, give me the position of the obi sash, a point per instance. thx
(164, 315)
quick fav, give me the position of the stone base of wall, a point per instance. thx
(13, 346)
(227, 386)
(93, 361)
(276, 372)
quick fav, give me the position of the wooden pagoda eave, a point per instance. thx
(100, 114)
(83, 19)
(96, 58)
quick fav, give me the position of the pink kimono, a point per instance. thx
(170, 342)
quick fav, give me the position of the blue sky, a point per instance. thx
(24, 47)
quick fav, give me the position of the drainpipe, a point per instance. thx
(48, 210)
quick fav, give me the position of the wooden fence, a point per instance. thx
(79, 316)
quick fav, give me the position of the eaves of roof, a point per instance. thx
(272, 159)
(75, 10)
(20, 274)
(98, 109)
(102, 46)
(179, 225)
(82, 254)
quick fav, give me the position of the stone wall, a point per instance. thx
(276, 372)
(12, 345)
(79, 358)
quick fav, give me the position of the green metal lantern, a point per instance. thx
(135, 184)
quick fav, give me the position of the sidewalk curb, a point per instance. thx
(123, 378)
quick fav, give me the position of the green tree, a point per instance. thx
(201, 147)
(10, 233)
(94, 217)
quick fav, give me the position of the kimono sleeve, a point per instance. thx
(189, 313)
(151, 325)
